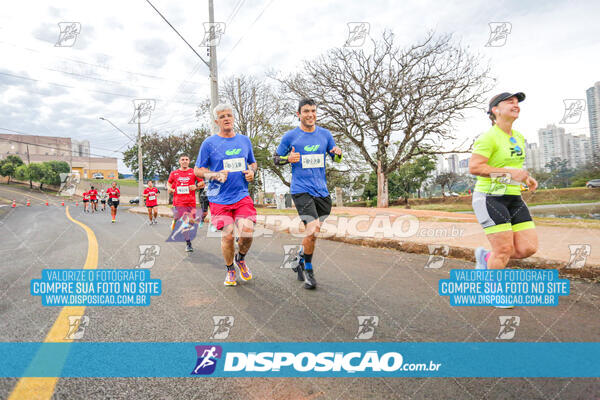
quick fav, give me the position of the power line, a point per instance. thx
(91, 64)
(128, 96)
(248, 30)
(172, 27)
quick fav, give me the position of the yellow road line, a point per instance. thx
(43, 388)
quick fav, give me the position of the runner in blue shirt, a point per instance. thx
(306, 148)
(226, 162)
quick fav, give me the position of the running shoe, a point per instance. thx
(173, 225)
(113, 221)
(309, 279)
(299, 269)
(480, 254)
(188, 248)
(244, 271)
(230, 278)
(213, 228)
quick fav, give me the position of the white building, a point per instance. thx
(593, 104)
(532, 157)
(552, 144)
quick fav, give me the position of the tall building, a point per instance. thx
(453, 163)
(552, 144)
(593, 104)
(578, 150)
(532, 157)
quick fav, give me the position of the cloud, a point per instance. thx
(155, 51)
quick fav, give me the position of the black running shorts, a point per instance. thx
(501, 213)
(113, 202)
(311, 208)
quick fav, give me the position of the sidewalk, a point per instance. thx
(422, 230)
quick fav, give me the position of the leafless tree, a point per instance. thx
(394, 104)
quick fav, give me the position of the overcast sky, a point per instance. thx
(126, 51)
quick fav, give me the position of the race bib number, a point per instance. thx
(234, 164)
(183, 189)
(151, 197)
(313, 161)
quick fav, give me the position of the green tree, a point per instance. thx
(560, 173)
(35, 173)
(161, 153)
(447, 180)
(51, 171)
(22, 174)
(8, 166)
(410, 176)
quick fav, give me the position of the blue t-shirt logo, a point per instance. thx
(314, 147)
(233, 152)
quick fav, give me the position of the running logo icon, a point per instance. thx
(148, 254)
(357, 33)
(291, 255)
(212, 33)
(366, 326)
(508, 326)
(579, 254)
(222, 326)
(207, 359)
(233, 152)
(68, 183)
(142, 110)
(77, 325)
(184, 230)
(573, 110)
(68, 34)
(499, 32)
(437, 254)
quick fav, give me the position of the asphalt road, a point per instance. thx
(353, 281)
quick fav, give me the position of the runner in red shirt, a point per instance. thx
(93, 199)
(183, 183)
(151, 197)
(86, 199)
(113, 193)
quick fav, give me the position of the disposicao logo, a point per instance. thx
(308, 361)
(314, 147)
(207, 359)
(234, 152)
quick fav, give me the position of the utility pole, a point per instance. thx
(140, 163)
(214, 83)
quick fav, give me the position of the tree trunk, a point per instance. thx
(30, 184)
(382, 188)
(41, 185)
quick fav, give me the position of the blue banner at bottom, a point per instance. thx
(284, 359)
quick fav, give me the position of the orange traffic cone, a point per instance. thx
(28, 203)
(46, 202)
(62, 203)
(14, 204)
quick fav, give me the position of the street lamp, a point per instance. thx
(140, 163)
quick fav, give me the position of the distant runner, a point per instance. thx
(93, 199)
(102, 196)
(86, 200)
(114, 194)
(150, 195)
(183, 184)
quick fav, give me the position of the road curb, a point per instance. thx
(590, 271)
